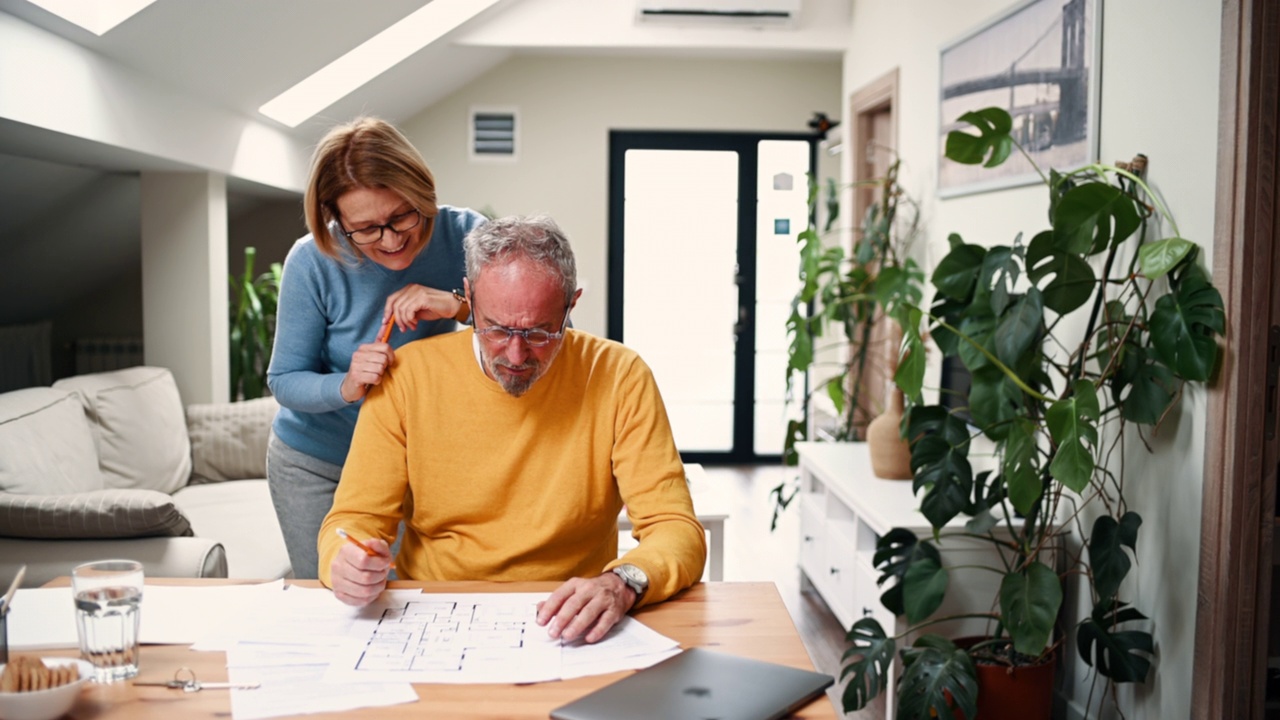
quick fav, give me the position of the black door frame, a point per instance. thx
(745, 144)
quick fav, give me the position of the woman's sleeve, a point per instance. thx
(297, 377)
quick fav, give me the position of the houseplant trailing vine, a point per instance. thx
(253, 321)
(1063, 357)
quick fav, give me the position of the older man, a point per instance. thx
(509, 450)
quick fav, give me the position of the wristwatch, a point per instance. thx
(464, 310)
(634, 577)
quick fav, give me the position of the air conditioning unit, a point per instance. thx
(748, 13)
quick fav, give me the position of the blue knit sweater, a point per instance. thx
(327, 309)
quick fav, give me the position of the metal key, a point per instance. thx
(197, 686)
(185, 678)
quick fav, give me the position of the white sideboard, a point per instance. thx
(844, 509)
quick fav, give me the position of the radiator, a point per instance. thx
(101, 354)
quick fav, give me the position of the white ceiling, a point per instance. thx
(238, 54)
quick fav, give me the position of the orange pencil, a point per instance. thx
(367, 550)
(385, 335)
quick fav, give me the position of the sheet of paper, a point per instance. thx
(41, 619)
(483, 638)
(630, 645)
(44, 618)
(290, 684)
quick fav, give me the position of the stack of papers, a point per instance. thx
(310, 653)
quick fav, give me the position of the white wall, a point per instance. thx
(567, 106)
(1159, 97)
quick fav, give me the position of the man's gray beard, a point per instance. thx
(515, 386)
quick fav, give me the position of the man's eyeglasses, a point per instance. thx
(533, 337)
(399, 224)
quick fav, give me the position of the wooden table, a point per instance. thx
(747, 619)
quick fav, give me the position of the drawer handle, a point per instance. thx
(835, 571)
(808, 538)
(867, 611)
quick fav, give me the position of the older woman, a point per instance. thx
(382, 255)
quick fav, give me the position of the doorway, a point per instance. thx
(702, 269)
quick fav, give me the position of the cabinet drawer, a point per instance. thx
(812, 540)
(839, 565)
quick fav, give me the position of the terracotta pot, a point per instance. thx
(890, 454)
(1022, 692)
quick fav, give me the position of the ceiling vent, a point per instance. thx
(493, 134)
(748, 13)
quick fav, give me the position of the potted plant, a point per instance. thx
(852, 293)
(1090, 326)
(253, 326)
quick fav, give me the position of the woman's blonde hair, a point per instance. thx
(365, 153)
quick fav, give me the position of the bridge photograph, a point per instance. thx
(1039, 62)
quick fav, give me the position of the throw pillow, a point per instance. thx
(46, 446)
(229, 440)
(139, 426)
(93, 515)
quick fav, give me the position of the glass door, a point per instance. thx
(702, 269)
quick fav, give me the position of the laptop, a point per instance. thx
(701, 684)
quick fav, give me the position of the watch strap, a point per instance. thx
(464, 309)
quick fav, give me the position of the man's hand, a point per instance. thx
(358, 577)
(586, 607)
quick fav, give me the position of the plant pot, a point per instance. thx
(1019, 692)
(890, 454)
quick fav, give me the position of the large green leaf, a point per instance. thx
(896, 552)
(993, 401)
(1019, 468)
(1159, 257)
(1019, 329)
(1073, 279)
(935, 419)
(976, 331)
(937, 677)
(944, 472)
(992, 143)
(1107, 557)
(1092, 216)
(1029, 603)
(867, 663)
(1152, 389)
(1184, 325)
(909, 376)
(1123, 656)
(1071, 422)
(1000, 273)
(957, 273)
(923, 588)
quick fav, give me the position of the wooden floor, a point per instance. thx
(754, 553)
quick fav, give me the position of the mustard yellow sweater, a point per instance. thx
(493, 487)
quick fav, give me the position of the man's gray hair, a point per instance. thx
(535, 237)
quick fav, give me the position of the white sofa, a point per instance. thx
(112, 465)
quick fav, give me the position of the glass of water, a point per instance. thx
(107, 595)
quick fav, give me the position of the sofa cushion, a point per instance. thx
(229, 440)
(240, 515)
(91, 515)
(46, 446)
(139, 427)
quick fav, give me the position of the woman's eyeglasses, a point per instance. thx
(399, 224)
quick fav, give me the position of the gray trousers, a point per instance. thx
(302, 489)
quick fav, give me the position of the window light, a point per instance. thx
(96, 17)
(370, 59)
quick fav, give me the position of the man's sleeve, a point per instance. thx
(650, 477)
(369, 499)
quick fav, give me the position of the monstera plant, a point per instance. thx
(1094, 324)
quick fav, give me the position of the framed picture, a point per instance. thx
(1039, 61)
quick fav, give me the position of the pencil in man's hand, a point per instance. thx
(367, 550)
(385, 334)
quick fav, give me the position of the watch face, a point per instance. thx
(634, 575)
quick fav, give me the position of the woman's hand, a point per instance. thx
(368, 363)
(412, 303)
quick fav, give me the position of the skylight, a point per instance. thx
(370, 59)
(96, 17)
